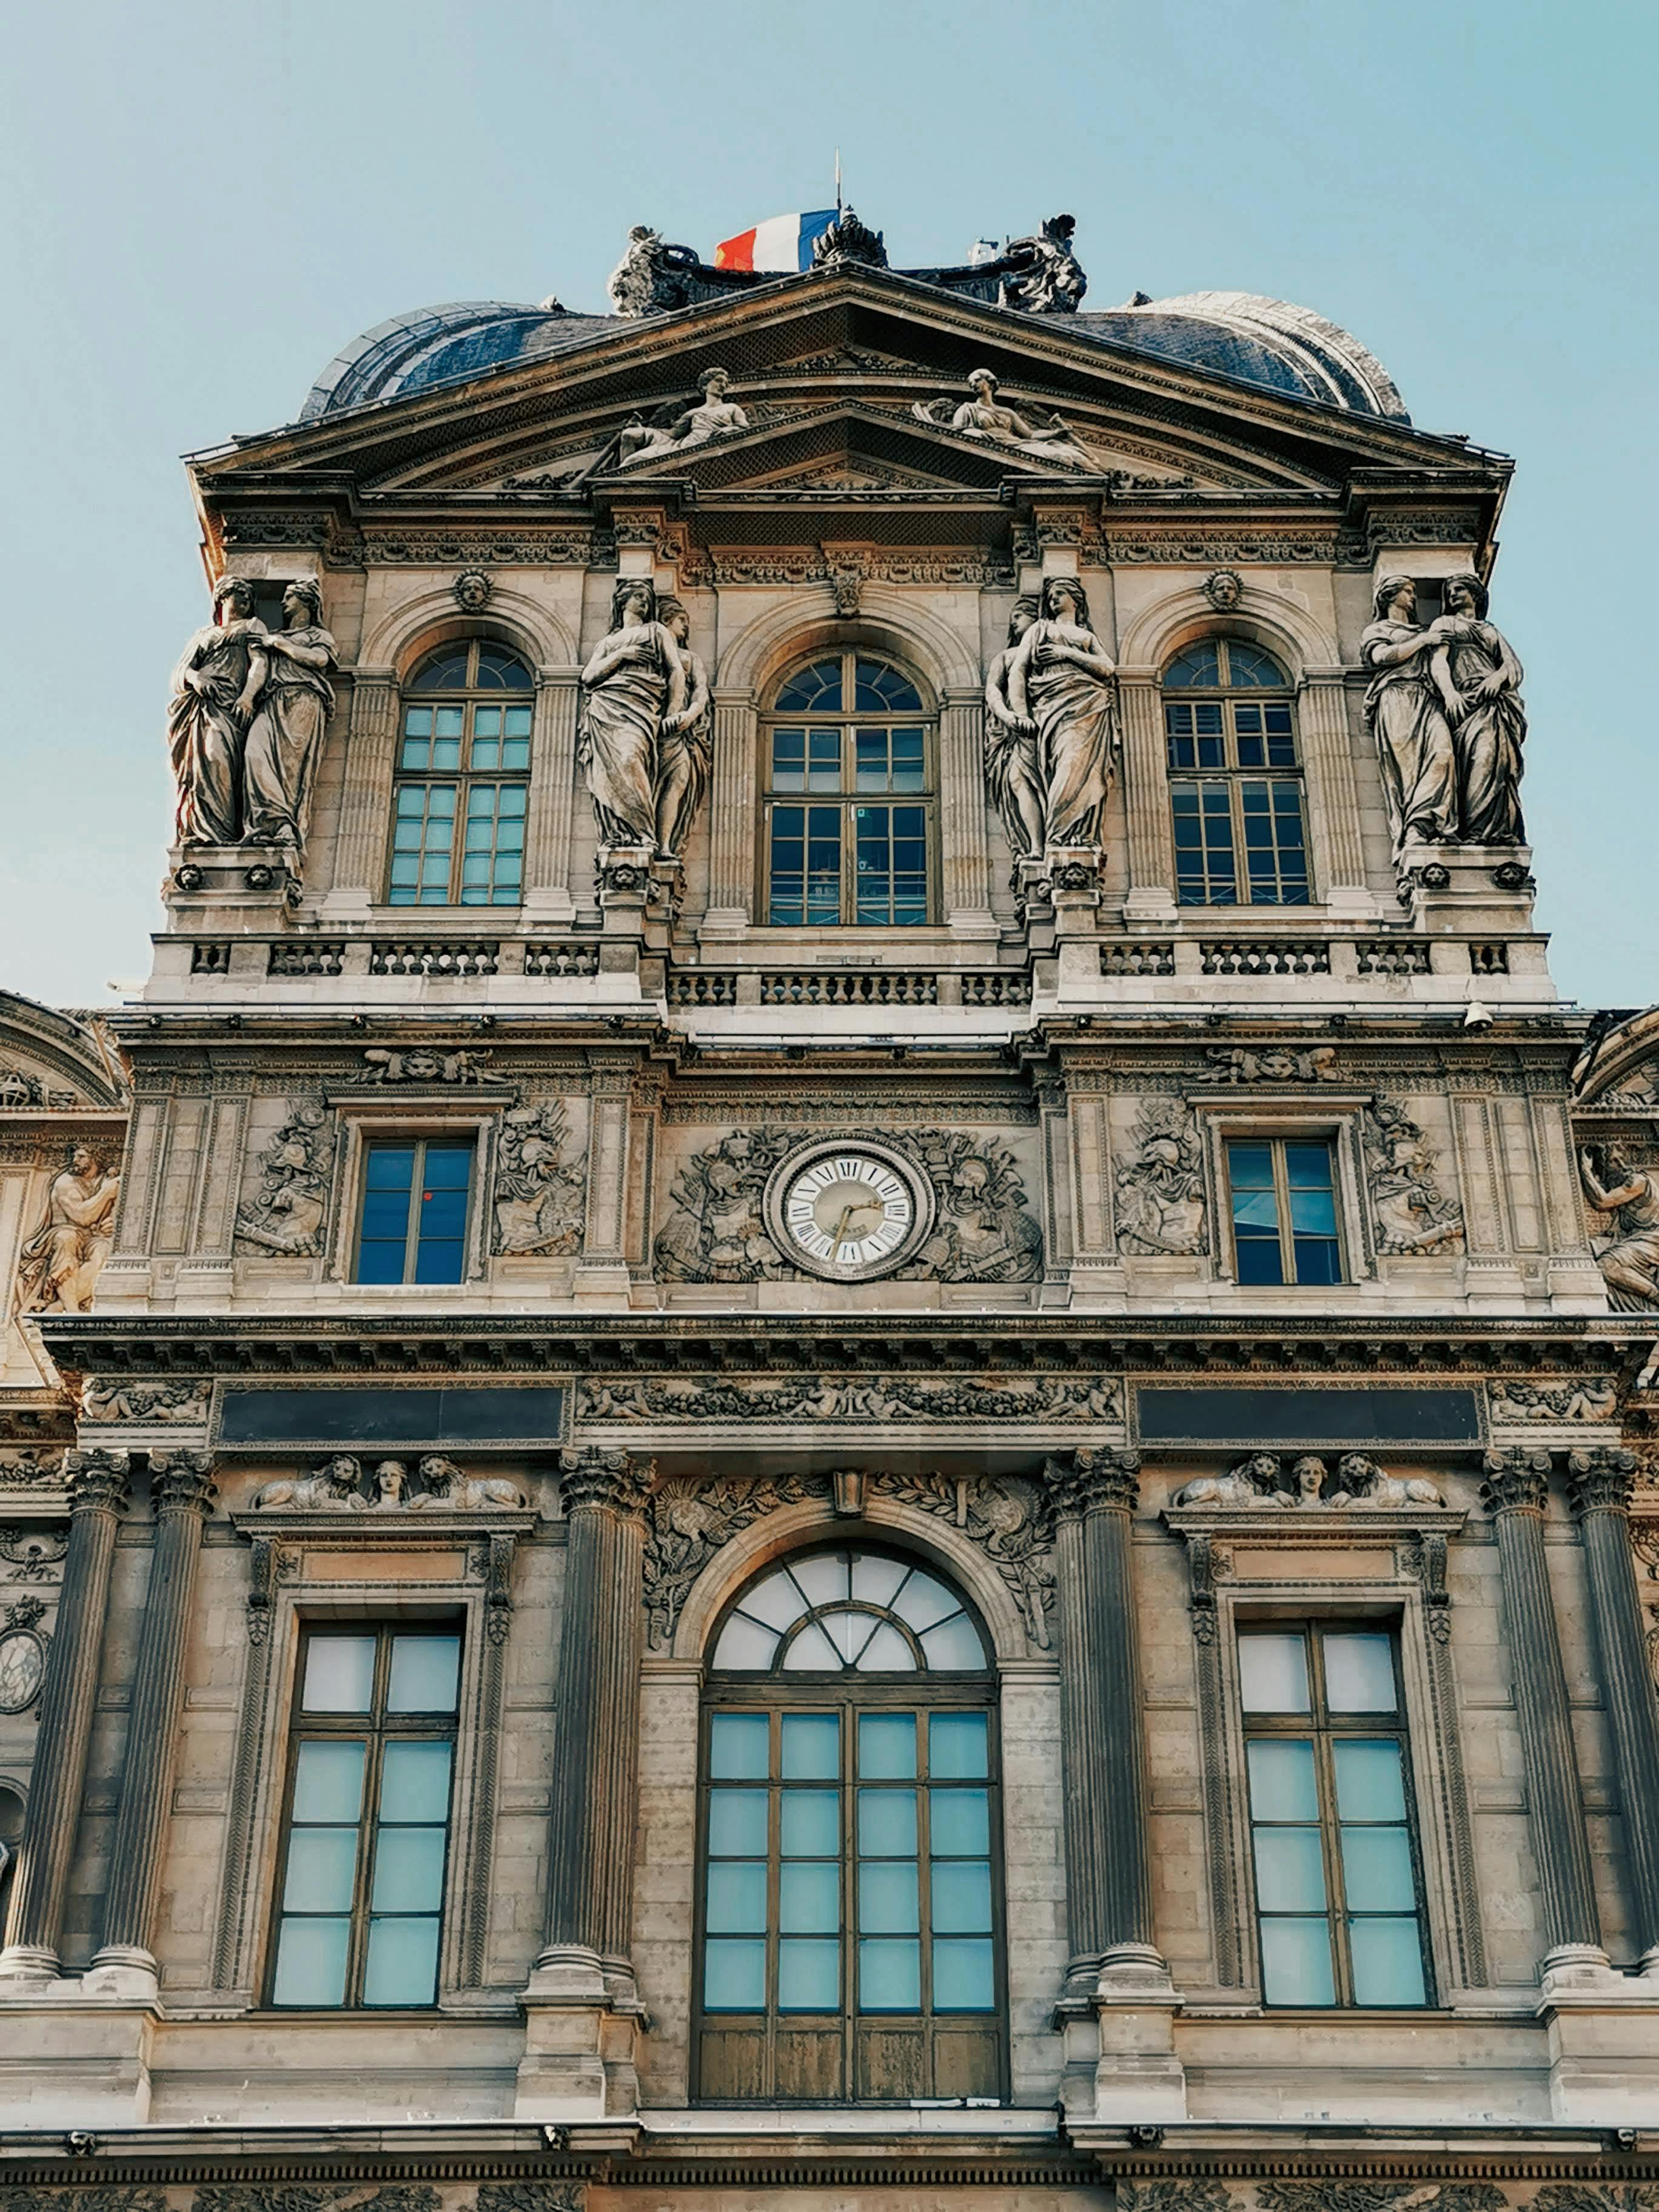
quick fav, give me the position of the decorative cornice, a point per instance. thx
(1094, 1478)
(97, 1480)
(1516, 1481)
(1602, 1480)
(607, 1481)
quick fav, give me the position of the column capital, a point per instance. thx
(1094, 1478)
(1515, 1481)
(610, 1481)
(97, 1480)
(1601, 1480)
(182, 1482)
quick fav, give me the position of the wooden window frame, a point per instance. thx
(847, 799)
(1325, 1729)
(469, 697)
(1276, 1140)
(458, 1139)
(378, 1728)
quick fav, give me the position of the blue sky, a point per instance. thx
(202, 203)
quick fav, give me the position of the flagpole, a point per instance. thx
(838, 181)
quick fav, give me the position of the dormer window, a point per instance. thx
(851, 754)
(1235, 777)
(462, 790)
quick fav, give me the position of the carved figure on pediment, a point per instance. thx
(716, 1231)
(1412, 1213)
(1011, 758)
(1361, 1481)
(1160, 1197)
(1047, 277)
(285, 737)
(713, 417)
(336, 1486)
(686, 751)
(1062, 679)
(59, 1264)
(653, 276)
(635, 680)
(1255, 1483)
(1479, 678)
(984, 416)
(539, 1193)
(215, 687)
(982, 1232)
(289, 1205)
(1406, 714)
(445, 1487)
(1629, 1259)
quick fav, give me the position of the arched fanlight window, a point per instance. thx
(850, 1921)
(462, 789)
(1235, 777)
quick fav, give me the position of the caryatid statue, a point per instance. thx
(1011, 760)
(1479, 678)
(1406, 714)
(635, 682)
(1062, 680)
(286, 734)
(685, 752)
(58, 1265)
(215, 687)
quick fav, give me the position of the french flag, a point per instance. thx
(783, 243)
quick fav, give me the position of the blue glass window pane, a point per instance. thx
(880, 690)
(1387, 1962)
(1290, 1871)
(809, 1975)
(788, 761)
(962, 1897)
(1313, 1213)
(389, 1167)
(425, 1672)
(824, 760)
(499, 670)
(1282, 1784)
(1376, 1870)
(739, 1747)
(889, 1974)
(339, 1674)
(887, 1823)
(409, 1870)
(1358, 1671)
(380, 1262)
(1273, 1672)
(817, 688)
(1247, 664)
(414, 1781)
(1308, 1167)
(889, 1897)
(909, 763)
(445, 672)
(959, 1823)
(812, 1746)
(956, 1747)
(311, 1962)
(811, 1823)
(1369, 1785)
(737, 1823)
(402, 1967)
(870, 771)
(733, 1975)
(1198, 665)
(1296, 1962)
(322, 1870)
(1316, 1261)
(328, 1781)
(438, 1261)
(737, 1898)
(964, 1975)
(1259, 1261)
(887, 1747)
(809, 1898)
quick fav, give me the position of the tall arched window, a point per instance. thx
(462, 779)
(851, 789)
(851, 1901)
(1235, 777)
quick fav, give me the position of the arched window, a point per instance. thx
(851, 1902)
(1235, 777)
(851, 790)
(462, 779)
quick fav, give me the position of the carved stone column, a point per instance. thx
(965, 854)
(181, 1489)
(1146, 798)
(1333, 788)
(732, 821)
(585, 1968)
(1515, 1491)
(602, 1268)
(547, 892)
(366, 798)
(1598, 1486)
(98, 1493)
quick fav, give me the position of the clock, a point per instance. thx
(849, 1212)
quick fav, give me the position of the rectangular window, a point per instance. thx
(849, 854)
(1223, 816)
(1284, 1210)
(412, 1224)
(1338, 1895)
(460, 841)
(365, 1835)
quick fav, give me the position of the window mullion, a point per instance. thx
(357, 1942)
(1331, 1844)
(1282, 1202)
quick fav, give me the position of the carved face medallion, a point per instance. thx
(848, 1212)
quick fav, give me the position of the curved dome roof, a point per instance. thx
(1258, 341)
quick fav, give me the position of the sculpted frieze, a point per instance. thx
(1234, 1063)
(1161, 1202)
(1261, 1480)
(1596, 1398)
(106, 1399)
(539, 1185)
(1045, 1399)
(285, 1211)
(341, 1485)
(1412, 1213)
(61, 1260)
(25, 1470)
(1626, 1196)
(420, 1064)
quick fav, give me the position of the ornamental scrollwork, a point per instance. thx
(1011, 1519)
(687, 1522)
(1052, 1400)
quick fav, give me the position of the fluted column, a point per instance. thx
(1147, 797)
(1333, 789)
(965, 857)
(1599, 1486)
(98, 1492)
(366, 797)
(1515, 1491)
(732, 821)
(181, 1491)
(1108, 1883)
(596, 1766)
(552, 795)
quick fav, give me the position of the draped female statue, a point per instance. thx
(1011, 768)
(286, 734)
(1479, 679)
(1062, 679)
(635, 681)
(216, 687)
(1406, 718)
(685, 752)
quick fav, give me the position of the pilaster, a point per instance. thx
(1333, 790)
(965, 852)
(1146, 800)
(601, 1269)
(547, 892)
(365, 792)
(733, 819)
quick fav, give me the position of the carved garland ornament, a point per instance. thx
(787, 1400)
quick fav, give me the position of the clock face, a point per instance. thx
(848, 1212)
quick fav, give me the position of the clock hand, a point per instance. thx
(836, 1235)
